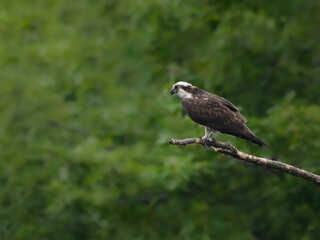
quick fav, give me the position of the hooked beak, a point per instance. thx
(173, 91)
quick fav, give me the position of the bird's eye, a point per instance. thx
(178, 87)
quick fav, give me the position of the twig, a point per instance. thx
(228, 149)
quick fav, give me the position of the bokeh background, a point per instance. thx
(86, 116)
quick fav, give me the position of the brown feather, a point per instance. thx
(217, 113)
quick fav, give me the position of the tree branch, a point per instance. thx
(228, 149)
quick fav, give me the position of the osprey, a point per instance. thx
(215, 113)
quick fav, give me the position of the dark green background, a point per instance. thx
(86, 115)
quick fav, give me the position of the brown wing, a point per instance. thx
(215, 112)
(231, 107)
(219, 114)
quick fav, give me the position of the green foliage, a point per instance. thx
(86, 114)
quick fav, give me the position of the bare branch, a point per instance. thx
(228, 149)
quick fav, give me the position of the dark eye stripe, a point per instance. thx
(186, 88)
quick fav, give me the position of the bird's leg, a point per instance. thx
(207, 133)
(208, 136)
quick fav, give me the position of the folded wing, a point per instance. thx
(219, 114)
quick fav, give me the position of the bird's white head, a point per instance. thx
(182, 89)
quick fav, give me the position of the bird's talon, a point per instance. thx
(206, 147)
(231, 147)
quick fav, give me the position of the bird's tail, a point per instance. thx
(248, 135)
(256, 140)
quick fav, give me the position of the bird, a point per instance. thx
(215, 113)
